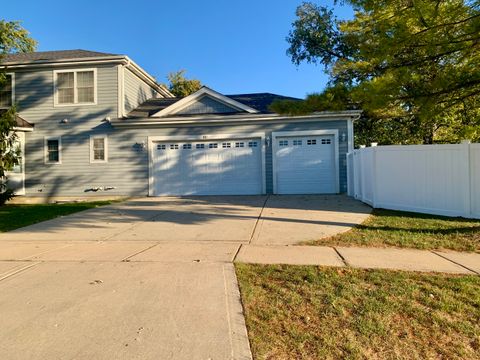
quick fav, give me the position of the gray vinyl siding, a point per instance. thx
(207, 105)
(136, 91)
(127, 168)
(35, 101)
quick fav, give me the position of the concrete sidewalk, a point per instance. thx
(365, 258)
(155, 300)
(120, 300)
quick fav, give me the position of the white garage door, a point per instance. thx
(214, 167)
(305, 165)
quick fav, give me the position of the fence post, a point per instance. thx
(468, 189)
(374, 175)
(349, 173)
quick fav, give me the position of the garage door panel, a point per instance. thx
(305, 165)
(230, 167)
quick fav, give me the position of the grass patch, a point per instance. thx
(411, 230)
(17, 216)
(308, 312)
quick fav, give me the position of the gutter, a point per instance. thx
(23, 129)
(98, 60)
(231, 120)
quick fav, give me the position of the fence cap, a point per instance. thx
(373, 144)
(466, 141)
(362, 146)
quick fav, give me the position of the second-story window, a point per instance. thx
(75, 87)
(6, 92)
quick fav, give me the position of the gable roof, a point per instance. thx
(258, 101)
(205, 91)
(53, 56)
(19, 121)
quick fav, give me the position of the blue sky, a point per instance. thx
(231, 46)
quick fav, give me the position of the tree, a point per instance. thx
(413, 66)
(181, 86)
(13, 38)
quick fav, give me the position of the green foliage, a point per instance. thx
(413, 66)
(8, 148)
(181, 86)
(13, 38)
(334, 98)
(5, 196)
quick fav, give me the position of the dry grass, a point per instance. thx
(411, 230)
(300, 312)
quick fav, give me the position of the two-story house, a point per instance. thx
(94, 124)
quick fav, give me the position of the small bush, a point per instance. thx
(5, 196)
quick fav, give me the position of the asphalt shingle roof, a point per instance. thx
(52, 55)
(258, 101)
(20, 122)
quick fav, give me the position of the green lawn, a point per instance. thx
(16, 216)
(411, 230)
(307, 312)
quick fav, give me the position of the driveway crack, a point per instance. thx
(258, 219)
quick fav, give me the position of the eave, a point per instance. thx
(244, 119)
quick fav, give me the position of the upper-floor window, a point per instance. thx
(74, 87)
(6, 92)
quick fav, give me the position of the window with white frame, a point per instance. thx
(6, 92)
(75, 87)
(98, 149)
(53, 148)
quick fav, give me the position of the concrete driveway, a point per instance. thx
(147, 278)
(262, 220)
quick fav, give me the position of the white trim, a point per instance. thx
(277, 134)
(19, 176)
(98, 60)
(45, 146)
(105, 144)
(63, 62)
(75, 92)
(213, 120)
(147, 78)
(350, 134)
(12, 75)
(204, 91)
(154, 139)
(120, 92)
(22, 129)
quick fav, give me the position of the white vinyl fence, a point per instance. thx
(433, 179)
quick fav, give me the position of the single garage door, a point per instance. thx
(214, 167)
(305, 165)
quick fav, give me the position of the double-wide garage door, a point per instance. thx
(214, 167)
(302, 165)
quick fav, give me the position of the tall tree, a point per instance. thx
(412, 65)
(13, 38)
(180, 86)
